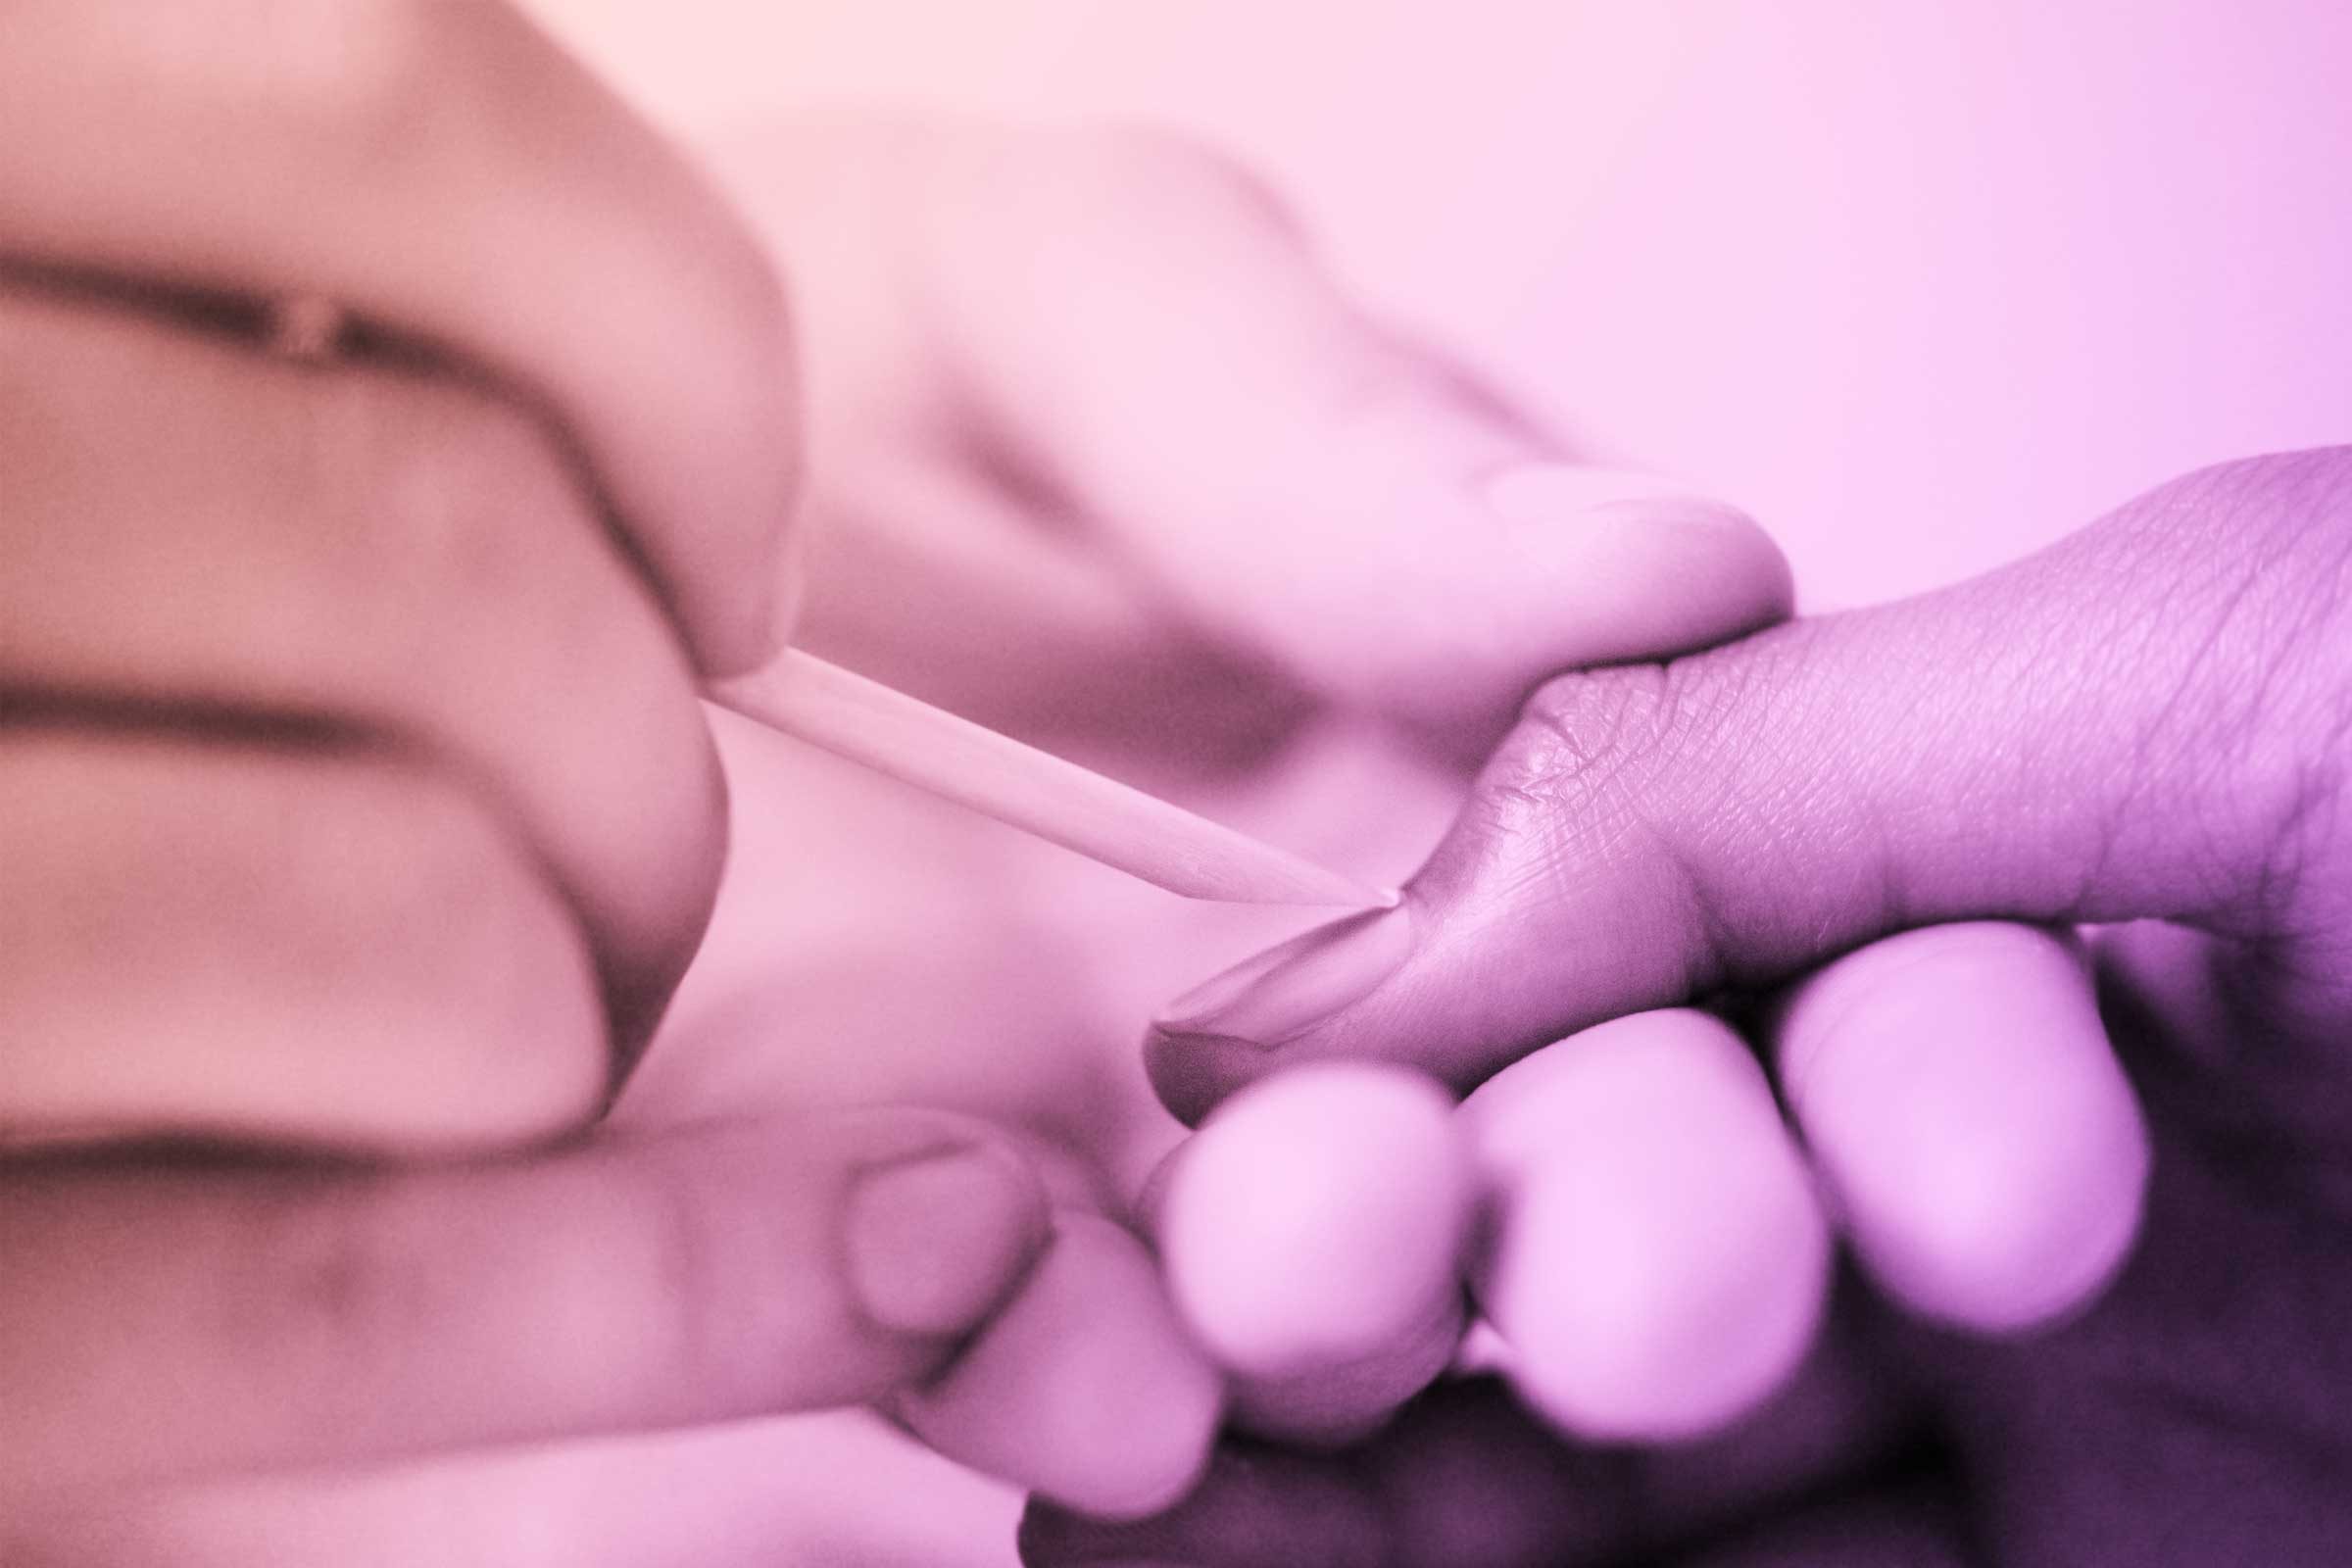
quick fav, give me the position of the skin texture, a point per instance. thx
(2143, 727)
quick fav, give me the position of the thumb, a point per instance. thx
(1295, 480)
(2147, 721)
(169, 1319)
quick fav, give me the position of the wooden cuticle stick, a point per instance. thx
(1040, 794)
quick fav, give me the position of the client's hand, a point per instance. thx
(2143, 729)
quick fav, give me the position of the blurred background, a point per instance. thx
(1920, 285)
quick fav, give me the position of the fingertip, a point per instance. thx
(1312, 1236)
(1961, 1099)
(936, 1243)
(739, 624)
(713, 504)
(1734, 575)
(1660, 1263)
(1553, 566)
(755, 599)
(1653, 569)
(1084, 1387)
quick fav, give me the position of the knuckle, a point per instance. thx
(1661, 784)
(2257, 558)
(1588, 738)
(1570, 791)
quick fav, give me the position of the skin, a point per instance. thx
(360, 811)
(470, 724)
(500, 479)
(2143, 729)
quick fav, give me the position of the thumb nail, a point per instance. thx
(1539, 493)
(1284, 992)
(936, 1242)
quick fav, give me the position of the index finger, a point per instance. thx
(446, 173)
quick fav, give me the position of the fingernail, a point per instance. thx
(1537, 493)
(936, 1242)
(1284, 992)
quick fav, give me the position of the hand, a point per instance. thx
(2143, 729)
(1098, 447)
(1169, 504)
(899, 953)
(355, 797)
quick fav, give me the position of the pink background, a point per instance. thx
(1920, 286)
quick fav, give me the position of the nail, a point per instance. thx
(1284, 992)
(938, 1241)
(1546, 493)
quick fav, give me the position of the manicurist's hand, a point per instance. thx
(391, 432)
(1101, 447)
(1098, 453)
(2141, 729)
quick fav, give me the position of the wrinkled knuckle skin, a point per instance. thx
(1569, 793)
(1585, 739)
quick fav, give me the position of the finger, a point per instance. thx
(1084, 1389)
(794, 1490)
(445, 171)
(2027, 746)
(1297, 481)
(301, 944)
(1658, 1264)
(395, 555)
(1312, 1236)
(1983, 1148)
(172, 1321)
